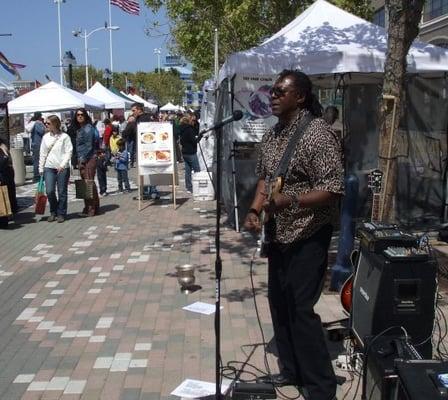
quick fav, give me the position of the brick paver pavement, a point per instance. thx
(91, 308)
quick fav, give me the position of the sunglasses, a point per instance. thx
(47, 123)
(278, 92)
(80, 115)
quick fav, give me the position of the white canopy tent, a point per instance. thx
(52, 97)
(138, 99)
(327, 40)
(110, 99)
(339, 50)
(170, 107)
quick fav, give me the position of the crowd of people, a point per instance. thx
(93, 147)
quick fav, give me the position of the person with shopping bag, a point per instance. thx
(86, 150)
(54, 164)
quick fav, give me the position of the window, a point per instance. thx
(434, 9)
(379, 17)
(440, 42)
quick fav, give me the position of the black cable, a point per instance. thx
(366, 353)
(266, 362)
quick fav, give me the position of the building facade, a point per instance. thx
(434, 23)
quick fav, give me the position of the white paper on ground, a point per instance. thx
(201, 308)
(192, 389)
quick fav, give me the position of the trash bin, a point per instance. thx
(18, 161)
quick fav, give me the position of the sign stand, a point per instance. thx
(155, 157)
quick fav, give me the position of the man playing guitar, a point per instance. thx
(300, 223)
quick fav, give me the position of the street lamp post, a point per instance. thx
(69, 61)
(107, 75)
(85, 36)
(61, 72)
(158, 52)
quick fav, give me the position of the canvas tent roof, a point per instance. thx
(118, 93)
(170, 107)
(327, 40)
(110, 99)
(52, 97)
(138, 99)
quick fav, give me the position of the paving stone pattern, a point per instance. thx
(91, 308)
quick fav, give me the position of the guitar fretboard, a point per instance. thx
(376, 207)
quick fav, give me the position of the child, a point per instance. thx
(101, 171)
(121, 166)
(114, 141)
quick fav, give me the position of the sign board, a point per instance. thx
(155, 154)
(253, 98)
(155, 148)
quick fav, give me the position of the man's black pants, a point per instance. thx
(295, 284)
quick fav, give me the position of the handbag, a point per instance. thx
(84, 188)
(40, 201)
(5, 205)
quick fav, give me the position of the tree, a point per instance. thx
(404, 17)
(164, 85)
(241, 24)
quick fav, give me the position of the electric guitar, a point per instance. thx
(374, 183)
(272, 187)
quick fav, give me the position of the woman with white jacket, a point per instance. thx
(55, 154)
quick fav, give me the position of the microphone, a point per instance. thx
(236, 116)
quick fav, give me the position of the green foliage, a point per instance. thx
(361, 8)
(162, 86)
(241, 24)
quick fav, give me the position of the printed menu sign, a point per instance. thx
(155, 147)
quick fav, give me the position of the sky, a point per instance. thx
(35, 43)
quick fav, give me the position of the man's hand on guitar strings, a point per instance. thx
(278, 202)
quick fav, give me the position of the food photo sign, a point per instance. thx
(155, 148)
(155, 155)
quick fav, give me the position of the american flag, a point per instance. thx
(129, 6)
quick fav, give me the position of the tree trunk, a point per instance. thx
(404, 18)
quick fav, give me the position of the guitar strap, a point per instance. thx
(292, 144)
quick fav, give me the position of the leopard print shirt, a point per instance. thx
(316, 164)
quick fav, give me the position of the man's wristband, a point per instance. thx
(295, 202)
(253, 211)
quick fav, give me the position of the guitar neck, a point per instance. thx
(376, 202)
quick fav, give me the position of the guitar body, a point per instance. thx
(273, 187)
(346, 293)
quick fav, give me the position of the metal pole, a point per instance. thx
(86, 57)
(70, 75)
(216, 58)
(110, 44)
(61, 72)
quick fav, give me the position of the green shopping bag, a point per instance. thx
(40, 200)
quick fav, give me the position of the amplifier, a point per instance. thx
(377, 237)
(381, 377)
(422, 379)
(394, 293)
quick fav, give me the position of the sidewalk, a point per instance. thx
(91, 308)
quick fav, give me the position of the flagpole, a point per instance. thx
(110, 44)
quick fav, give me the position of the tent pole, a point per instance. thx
(235, 196)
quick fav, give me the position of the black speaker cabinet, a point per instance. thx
(398, 293)
(422, 380)
(381, 375)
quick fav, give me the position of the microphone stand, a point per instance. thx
(218, 267)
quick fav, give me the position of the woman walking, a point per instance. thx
(54, 164)
(188, 141)
(85, 148)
